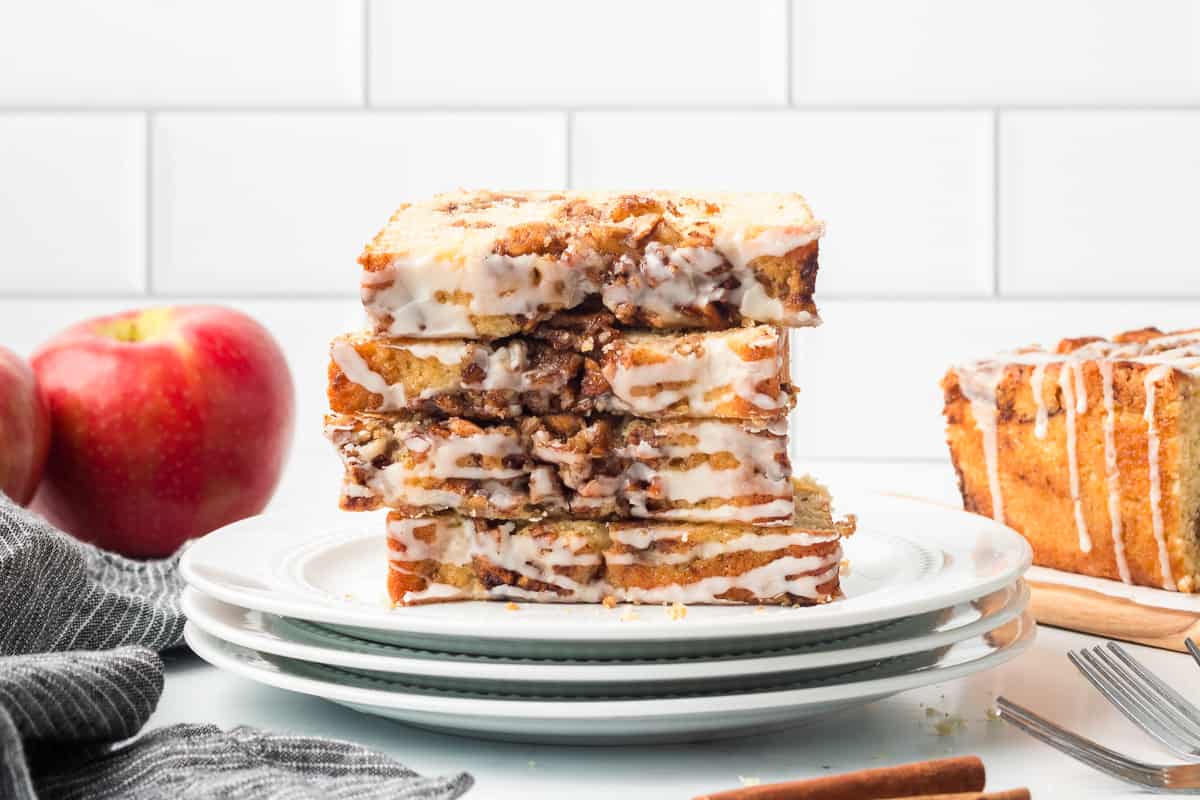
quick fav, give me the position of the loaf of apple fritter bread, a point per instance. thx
(735, 374)
(592, 467)
(482, 265)
(1092, 451)
(452, 557)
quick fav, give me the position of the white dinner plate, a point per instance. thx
(907, 558)
(299, 640)
(609, 720)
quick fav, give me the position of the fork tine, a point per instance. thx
(1154, 691)
(1081, 749)
(1010, 709)
(1133, 710)
(1178, 702)
(1111, 692)
(1193, 649)
(1139, 705)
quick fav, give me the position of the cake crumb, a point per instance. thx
(629, 616)
(760, 609)
(950, 726)
(930, 712)
(845, 565)
(749, 780)
(677, 611)
(993, 714)
(511, 606)
(609, 601)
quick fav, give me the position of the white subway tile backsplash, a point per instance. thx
(149, 52)
(280, 134)
(624, 52)
(1099, 203)
(983, 51)
(283, 203)
(72, 208)
(869, 376)
(908, 196)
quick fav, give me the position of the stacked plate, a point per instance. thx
(932, 594)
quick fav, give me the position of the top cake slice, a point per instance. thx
(482, 265)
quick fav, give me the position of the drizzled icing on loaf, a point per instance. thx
(1158, 354)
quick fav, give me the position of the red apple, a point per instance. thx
(167, 423)
(24, 428)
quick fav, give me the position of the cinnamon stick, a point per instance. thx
(943, 776)
(1011, 794)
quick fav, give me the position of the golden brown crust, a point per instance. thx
(1035, 476)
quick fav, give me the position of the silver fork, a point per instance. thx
(1181, 779)
(1142, 697)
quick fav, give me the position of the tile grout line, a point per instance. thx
(366, 53)
(425, 108)
(995, 202)
(788, 39)
(149, 217)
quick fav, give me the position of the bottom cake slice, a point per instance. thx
(451, 557)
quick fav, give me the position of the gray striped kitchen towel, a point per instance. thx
(80, 675)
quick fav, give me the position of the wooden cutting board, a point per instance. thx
(1100, 614)
(1116, 618)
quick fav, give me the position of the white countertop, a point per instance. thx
(891, 731)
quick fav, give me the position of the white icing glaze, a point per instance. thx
(704, 378)
(667, 279)
(770, 513)
(1179, 352)
(979, 387)
(504, 368)
(438, 458)
(642, 538)
(777, 577)
(458, 541)
(1152, 446)
(1071, 405)
(355, 368)
(1111, 472)
(740, 251)
(395, 491)
(1036, 380)
(448, 353)
(652, 464)
(760, 470)
(448, 452)
(409, 295)
(433, 591)
(532, 557)
(419, 299)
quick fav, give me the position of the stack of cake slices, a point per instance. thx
(583, 397)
